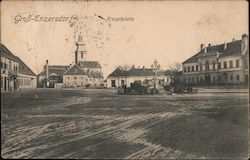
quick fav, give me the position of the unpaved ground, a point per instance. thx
(101, 124)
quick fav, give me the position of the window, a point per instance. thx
(213, 65)
(197, 67)
(219, 78)
(184, 69)
(1, 81)
(237, 63)
(68, 77)
(74, 77)
(192, 79)
(112, 83)
(188, 79)
(122, 82)
(225, 64)
(81, 54)
(207, 65)
(201, 79)
(231, 64)
(192, 68)
(197, 79)
(201, 67)
(237, 77)
(188, 68)
(214, 78)
(231, 78)
(219, 65)
(10, 68)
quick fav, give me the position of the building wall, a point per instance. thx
(27, 81)
(131, 79)
(224, 70)
(81, 80)
(8, 67)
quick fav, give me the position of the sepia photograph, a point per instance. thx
(124, 79)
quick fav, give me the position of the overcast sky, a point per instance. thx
(167, 31)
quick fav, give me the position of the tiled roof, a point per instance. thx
(136, 72)
(75, 70)
(89, 64)
(57, 69)
(232, 48)
(6, 53)
(24, 69)
(118, 73)
(140, 72)
(95, 75)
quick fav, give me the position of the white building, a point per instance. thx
(15, 74)
(223, 64)
(120, 77)
(85, 72)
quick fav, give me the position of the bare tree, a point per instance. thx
(175, 68)
(125, 67)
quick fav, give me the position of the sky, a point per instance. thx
(169, 31)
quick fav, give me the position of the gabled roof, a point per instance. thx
(24, 69)
(89, 64)
(136, 72)
(232, 48)
(6, 53)
(57, 69)
(118, 73)
(140, 72)
(95, 75)
(75, 70)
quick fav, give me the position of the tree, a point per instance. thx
(175, 69)
(124, 67)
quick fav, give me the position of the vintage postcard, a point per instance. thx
(124, 79)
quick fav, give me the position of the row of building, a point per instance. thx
(223, 64)
(15, 74)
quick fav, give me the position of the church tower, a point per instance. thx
(80, 53)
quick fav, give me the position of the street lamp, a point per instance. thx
(156, 67)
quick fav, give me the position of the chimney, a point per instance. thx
(209, 45)
(225, 45)
(244, 43)
(233, 40)
(245, 38)
(205, 50)
(47, 69)
(202, 46)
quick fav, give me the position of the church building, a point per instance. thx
(84, 72)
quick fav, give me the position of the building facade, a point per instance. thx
(51, 75)
(120, 77)
(15, 74)
(85, 72)
(223, 64)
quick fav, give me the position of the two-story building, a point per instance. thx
(222, 64)
(15, 74)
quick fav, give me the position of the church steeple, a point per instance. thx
(80, 53)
